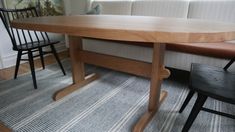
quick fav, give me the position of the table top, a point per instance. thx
(132, 28)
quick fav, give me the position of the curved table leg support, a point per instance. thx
(148, 115)
(78, 71)
(68, 90)
(156, 97)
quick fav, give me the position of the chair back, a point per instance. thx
(19, 37)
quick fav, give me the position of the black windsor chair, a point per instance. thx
(27, 42)
(213, 82)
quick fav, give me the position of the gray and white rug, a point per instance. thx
(112, 103)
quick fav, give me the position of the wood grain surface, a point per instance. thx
(133, 28)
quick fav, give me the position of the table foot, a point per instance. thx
(68, 90)
(146, 118)
(3, 128)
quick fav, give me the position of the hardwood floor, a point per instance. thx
(8, 73)
(4, 128)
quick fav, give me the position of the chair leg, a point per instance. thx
(19, 54)
(188, 98)
(57, 58)
(196, 109)
(31, 63)
(41, 57)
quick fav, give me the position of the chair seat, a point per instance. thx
(35, 45)
(213, 82)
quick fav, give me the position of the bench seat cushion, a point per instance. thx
(161, 8)
(217, 10)
(114, 7)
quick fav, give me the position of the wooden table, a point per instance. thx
(127, 28)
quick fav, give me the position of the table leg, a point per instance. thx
(78, 72)
(156, 97)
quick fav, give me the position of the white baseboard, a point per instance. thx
(9, 60)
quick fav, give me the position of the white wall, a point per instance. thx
(6, 39)
(7, 55)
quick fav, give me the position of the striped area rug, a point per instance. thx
(113, 103)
